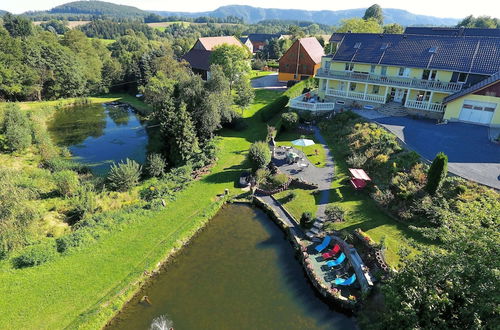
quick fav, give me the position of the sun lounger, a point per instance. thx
(314, 230)
(336, 262)
(349, 281)
(323, 244)
(332, 252)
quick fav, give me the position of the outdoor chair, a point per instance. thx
(348, 281)
(323, 244)
(336, 262)
(332, 252)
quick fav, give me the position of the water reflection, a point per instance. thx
(239, 273)
(100, 135)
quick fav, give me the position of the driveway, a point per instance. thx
(471, 154)
(269, 82)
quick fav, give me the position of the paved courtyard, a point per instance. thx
(269, 82)
(470, 152)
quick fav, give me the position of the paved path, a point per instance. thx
(471, 154)
(284, 215)
(327, 175)
(322, 176)
(269, 82)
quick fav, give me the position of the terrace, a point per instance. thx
(312, 102)
(412, 83)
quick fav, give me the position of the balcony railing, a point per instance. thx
(299, 103)
(422, 105)
(356, 95)
(407, 82)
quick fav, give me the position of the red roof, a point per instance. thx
(209, 43)
(359, 174)
(312, 46)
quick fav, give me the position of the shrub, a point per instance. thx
(306, 220)
(356, 160)
(84, 203)
(259, 155)
(155, 165)
(57, 164)
(16, 128)
(67, 182)
(278, 180)
(125, 175)
(258, 64)
(334, 213)
(437, 173)
(76, 239)
(35, 255)
(274, 108)
(290, 120)
(261, 176)
(383, 197)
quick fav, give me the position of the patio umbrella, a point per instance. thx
(303, 143)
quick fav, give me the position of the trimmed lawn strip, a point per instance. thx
(304, 202)
(254, 74)
(86, 288)
(285, 138)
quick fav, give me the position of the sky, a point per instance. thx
(440, 8)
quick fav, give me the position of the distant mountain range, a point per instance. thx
(248, 13)
(329, 17)
(2, 12)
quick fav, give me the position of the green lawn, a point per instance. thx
(86, 288)
(254, 74)
(285, 138)
(304, 202)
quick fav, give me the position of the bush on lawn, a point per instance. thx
(306, 220)
(35, 255)
(155, 165)
(259, 155)
(437, 173)
(125, 175)
(67, 182)
(335, 213)
(290, 120)
(16, 128)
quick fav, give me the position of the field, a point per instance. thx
(85, 288)
(71, 24)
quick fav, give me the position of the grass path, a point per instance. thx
(87, 287)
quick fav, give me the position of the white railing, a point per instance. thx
(427, 106)
(356, 95)
(390, 80)
(299, 103)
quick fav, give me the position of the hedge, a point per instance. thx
(278, 105)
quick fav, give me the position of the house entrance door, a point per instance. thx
(399, 94)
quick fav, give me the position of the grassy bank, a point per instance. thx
(84, 289)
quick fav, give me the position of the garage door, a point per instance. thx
(477, 112)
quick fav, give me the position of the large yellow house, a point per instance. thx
(450, 74)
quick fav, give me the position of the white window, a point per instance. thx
(352, 88)
(372, 68)
(376, 89)
(383, 71)
(349, 66)
(357, 45)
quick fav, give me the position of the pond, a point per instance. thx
(99, 135)
(239, 273)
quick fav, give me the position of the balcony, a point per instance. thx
(312, 104)
(422, 105)
(356, 95)
(405, 82)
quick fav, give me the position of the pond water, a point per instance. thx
(99, 135)
(239, 273)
